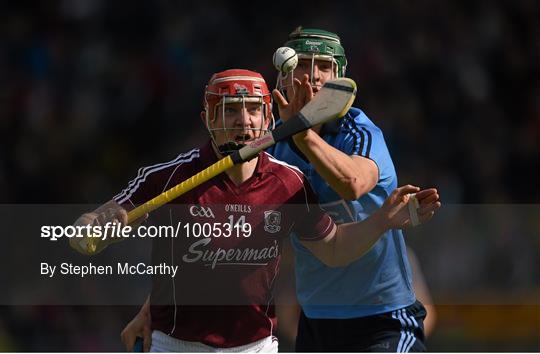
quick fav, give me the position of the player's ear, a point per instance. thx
(203, 117)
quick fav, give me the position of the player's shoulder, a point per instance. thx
(357, 123)
(355, 117)
(289, 175)
(275, 165)
(150, 178)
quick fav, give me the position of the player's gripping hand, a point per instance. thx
(396, 213)
(110, 212)
(301, 95)
(138, 327)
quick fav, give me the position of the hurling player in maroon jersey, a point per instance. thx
(222, 297)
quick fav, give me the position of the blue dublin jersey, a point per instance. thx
(378, 282)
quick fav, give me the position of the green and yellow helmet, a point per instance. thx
(312, 43)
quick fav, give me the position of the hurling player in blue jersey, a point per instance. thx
(370, 304)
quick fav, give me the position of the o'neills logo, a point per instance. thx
(198, 252)
(240, 208)
(263, 140)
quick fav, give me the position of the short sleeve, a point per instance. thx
(367, 140)
(311, 222)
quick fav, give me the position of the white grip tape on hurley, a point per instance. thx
(413, 206)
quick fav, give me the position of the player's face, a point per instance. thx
(323, 70)
(238, 122)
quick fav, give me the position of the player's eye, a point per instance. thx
(325, 67)
(302, 65)
(230, 110)
(254, 110)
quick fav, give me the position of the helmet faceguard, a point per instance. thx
(315, 44)
(236, 87)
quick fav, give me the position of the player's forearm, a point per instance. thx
(340, 170)
(146, 306)
(348, 242)
(353, 240)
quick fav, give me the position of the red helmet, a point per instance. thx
(236, 86)
(233, 84)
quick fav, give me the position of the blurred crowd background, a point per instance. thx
(90, 90)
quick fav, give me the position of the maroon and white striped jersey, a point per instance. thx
(222, 294)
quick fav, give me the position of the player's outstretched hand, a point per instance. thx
(397, 213)
(138, 327)
(301, 95)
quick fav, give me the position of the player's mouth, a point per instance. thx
(242, 138)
